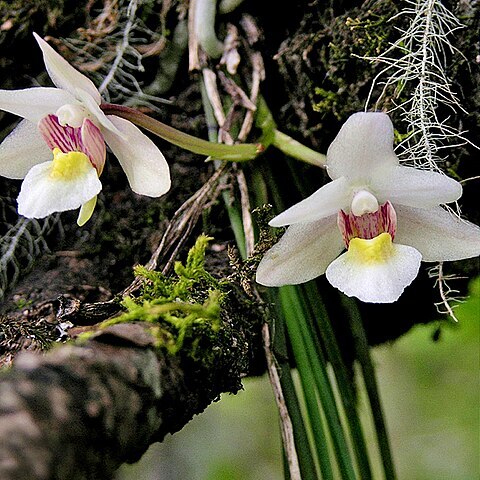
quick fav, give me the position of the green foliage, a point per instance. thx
(208, 324)
(470, 307)
(194, 270)
(23, 303)
(179, 306)
(323, 100)
(159, 287)
(372, 31)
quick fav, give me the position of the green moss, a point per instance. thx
(22, 303)
(177, 306)
(326, 100)
(370, 32)
(209, 323)
(325, 74)
(365, 33)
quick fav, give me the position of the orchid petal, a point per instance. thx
(438, 234)
(378, 280)
(86, 211)
(21, 150)
(303, 253)
(326, 201)
(93, 144)
(63, 75)
(144, 164)
(65, 138)
(34, 103)
(41, 195)
(87, 139)
(97, 112)
(416, 188)
(363, 145)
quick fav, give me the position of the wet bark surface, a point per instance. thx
(81, 411)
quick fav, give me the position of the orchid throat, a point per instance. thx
(369, 224)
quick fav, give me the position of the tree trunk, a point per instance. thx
(82, 410)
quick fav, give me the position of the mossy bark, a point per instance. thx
(84, 409)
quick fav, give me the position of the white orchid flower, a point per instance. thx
(387, 216)
(67, 122)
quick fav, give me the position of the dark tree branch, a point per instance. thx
(82, 410)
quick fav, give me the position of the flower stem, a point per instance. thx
(272, 136)
(297, 150)
(233, 153)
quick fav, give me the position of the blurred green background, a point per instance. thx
(431, 397)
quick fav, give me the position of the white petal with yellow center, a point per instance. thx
(376, 270)
(65, 183)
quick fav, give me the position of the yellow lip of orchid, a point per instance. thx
(70, 180)
(371, 251)
(68, 166)
(86, 138)
(77, 151)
